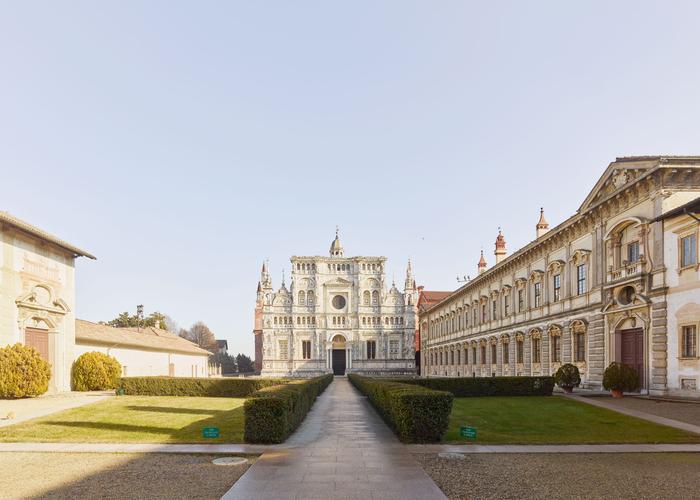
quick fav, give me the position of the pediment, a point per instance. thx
(617, 177)
(338, 282)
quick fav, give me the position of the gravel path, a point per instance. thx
(683, 412)
(115, 475)
(639, 475)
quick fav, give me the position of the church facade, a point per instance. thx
(336, 317)
(617, 281)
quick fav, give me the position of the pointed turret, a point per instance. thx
(500, 251)
(482, 263)
(410, 283)
(336, 246)
(542, 226)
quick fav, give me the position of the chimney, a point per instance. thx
(500, 251)
(542, 226)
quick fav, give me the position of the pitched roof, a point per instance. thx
(428, 298)
(41, 234)
(150, 338)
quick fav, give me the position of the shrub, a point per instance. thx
(620, 377)
(417, 414)
(488, 386)
(95, 371)
(23, 372)
(567, 376)
(177, 386)
(272, 413)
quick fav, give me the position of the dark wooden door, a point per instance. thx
(338, 361)
(39, 340)
(632, 351)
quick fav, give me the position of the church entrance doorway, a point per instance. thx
(632, 351)
(338, 355)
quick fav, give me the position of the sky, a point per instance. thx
(183, 143)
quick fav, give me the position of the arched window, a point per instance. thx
(310, 298)
(519, 348)
(375, 298)
(302, 297)
(366, 298)
(364, 320)
(555, 343)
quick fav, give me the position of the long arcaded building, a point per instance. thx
(617, 281)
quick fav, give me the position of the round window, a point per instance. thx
(626, 295)
(338, 301)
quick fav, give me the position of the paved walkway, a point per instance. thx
(603, 403)
(341, 450)
(26, 409)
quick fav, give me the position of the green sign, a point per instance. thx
(211, 432)
(467, 432)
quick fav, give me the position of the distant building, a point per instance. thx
(336, 317)
(222, 346)
(617, 281)
(426, 299)
(147, 351)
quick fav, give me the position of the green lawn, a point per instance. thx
(552, 420)
(137, 419)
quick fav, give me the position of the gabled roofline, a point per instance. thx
(27, 228)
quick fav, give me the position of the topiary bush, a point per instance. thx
(417, 414)
(186, 386)
(95, 371)
(567, 377)
(488, 386)
(273, 413)
(23, 372)
(620, 377)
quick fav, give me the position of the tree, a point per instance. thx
(227, 362)
(245, 364)
(200, 334)
(154, 319)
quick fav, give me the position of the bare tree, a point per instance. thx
(200, 334)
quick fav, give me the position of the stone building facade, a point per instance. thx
(336, 317)
(617, 281)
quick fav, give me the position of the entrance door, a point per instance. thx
(39, 340)
(632, 351)
(338, 361)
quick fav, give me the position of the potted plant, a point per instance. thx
(567, 377)
(619, 378)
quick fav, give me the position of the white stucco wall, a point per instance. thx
(143, 363)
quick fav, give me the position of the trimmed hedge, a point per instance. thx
(23, 372)
(489, 386)
(417, 414)
(181, 386)
(95, 371)
(272, 413)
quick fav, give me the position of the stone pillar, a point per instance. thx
(566, 352)
(595, 363)
(658, 381)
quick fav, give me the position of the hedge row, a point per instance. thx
(273, 413)
(489, 386)
(417, 414)
(177, 386)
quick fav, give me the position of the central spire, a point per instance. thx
(336, 246)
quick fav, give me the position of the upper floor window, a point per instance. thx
(506, 305)
(375, 298)
(538, 294)
(689, 341)
(306, 349)
(581, 279)
(633, 252)
(302, 297)
(689, 250)
(484, 314)
(557, 287)
(493, 309)
(310, 298)
(521, 300)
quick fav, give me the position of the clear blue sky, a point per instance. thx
(184, 142)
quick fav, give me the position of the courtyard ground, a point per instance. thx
(29, 408)
(136, 419)
(688, 412)
(525, 476)
(114, 475)
(553, 420)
